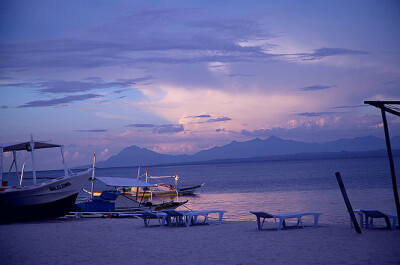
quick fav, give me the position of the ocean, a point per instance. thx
(275, 186)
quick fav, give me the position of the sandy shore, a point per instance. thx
(127, 241)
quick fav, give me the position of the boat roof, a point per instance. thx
(124, 182)
(24, 145)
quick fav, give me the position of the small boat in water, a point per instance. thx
(48, 199)
(118, 199)
(163, 189)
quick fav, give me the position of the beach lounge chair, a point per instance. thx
(370, 215)
(281, 218)
(174, 217)
(147, 216)
(181, 218)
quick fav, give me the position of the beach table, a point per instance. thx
(282, 217)
(191, 217)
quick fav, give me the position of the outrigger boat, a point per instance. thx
(51, 198)
(119, 200)
(163, 189)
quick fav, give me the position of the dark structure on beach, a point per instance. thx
(389, 106)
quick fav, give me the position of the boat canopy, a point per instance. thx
(124, 182)
(26, 146)
(30, 146)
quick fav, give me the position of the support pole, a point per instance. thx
(137, 188)
(347, 201)
(32, 144)
(15, 162)
(63, 160)
(1, 167)
(94, 162)
(392, 171)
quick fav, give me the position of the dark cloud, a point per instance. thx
(91, 83)
(75, 53)
(159, 129)
(94, 79)
(3, 107)
(315, 114)
(141, 125)
(326, 52)
(83, 86)
(219, 119)
(94, 131)
(58, 101)
(315, 87)
(199, 116)
(390, 83)
(168, 128)
(349, 107)
(174, 33)
(220, 130)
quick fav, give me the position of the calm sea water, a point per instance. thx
(278, 186)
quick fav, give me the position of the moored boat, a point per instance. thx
(163, 189)
(118, 199)
(48, 199)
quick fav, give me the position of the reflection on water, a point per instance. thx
(330, 203)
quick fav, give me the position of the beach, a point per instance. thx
(127, 241)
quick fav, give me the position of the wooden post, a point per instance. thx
(389, 150)
(347, 201)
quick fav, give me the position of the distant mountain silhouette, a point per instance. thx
(272, 146)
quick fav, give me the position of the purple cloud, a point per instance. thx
(159, 129)
(141, 125)
(199, 116)
(219, 119)
(58, 101)
(315, 114)
(91, 83)
(315, 87)
(168, 128)
(326, 52)
(349, 107)
(94, 131)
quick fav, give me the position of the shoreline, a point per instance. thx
(127, 241)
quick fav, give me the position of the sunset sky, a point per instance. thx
(177, 77)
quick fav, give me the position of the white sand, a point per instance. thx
(127, 241)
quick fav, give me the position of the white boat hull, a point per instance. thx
(126, 202)
(51, 198)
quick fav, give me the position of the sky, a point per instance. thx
(178, 77)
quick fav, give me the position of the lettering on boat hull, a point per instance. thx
(59, 187)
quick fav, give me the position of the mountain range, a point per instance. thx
(256, 149)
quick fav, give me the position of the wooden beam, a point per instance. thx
(347, 202)
(381, 105)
